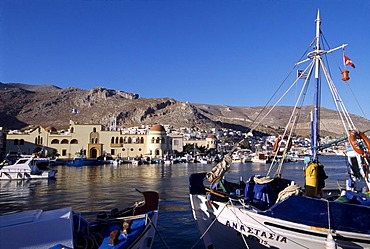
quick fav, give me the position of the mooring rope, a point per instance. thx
(209, 227)
(159, 234)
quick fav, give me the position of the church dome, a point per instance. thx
(157, 128)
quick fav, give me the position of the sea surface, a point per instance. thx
(102, 188)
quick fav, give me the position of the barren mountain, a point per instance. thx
(47, 105)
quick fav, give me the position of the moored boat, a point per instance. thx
(83, 161)
(274, 212)
(27, 168)
(133, 227)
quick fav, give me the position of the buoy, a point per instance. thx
(330, 242)
(345, 75)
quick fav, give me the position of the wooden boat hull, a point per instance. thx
(284, 225)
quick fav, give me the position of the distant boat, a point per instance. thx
(27, 168)
(133, 227)
(83, 161)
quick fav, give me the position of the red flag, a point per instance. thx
(348, 61)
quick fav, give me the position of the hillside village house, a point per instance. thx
(94, 140)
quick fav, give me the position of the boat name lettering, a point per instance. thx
(257, 232)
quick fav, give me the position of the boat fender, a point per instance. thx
(330, 242)
(126, 227)
(113, 238)
(353, 136)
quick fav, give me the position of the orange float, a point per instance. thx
(353, 136)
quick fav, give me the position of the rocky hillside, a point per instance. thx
(23, 105)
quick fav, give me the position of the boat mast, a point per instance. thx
(315, 121)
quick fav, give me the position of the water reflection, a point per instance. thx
(96, 188)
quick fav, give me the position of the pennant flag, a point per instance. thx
(301, 74)
(348, 61)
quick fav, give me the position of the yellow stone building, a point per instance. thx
(93, 140)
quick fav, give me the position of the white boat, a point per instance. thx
(133, 227)
(260, 157)
(272, 211)
(27, 168)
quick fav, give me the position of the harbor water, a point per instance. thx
(102, 188)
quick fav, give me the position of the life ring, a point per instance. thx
(277, 142)
(353, 136)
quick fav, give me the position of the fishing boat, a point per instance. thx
(133, 227)
(27, 168)
(272, 211)
(78, 161)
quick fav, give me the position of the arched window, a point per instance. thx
(21, 142)
(112, 140)
(16, 141)
(121, 140)
(152, 140)
(129, 140)
(116, 140)
(96, 140)
(157, 141)
(142, 140)
(94, 129)
(72, 129)
(64, 141)
(55, 141)
(74, 141)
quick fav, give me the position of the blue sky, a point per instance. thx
(223, 52)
